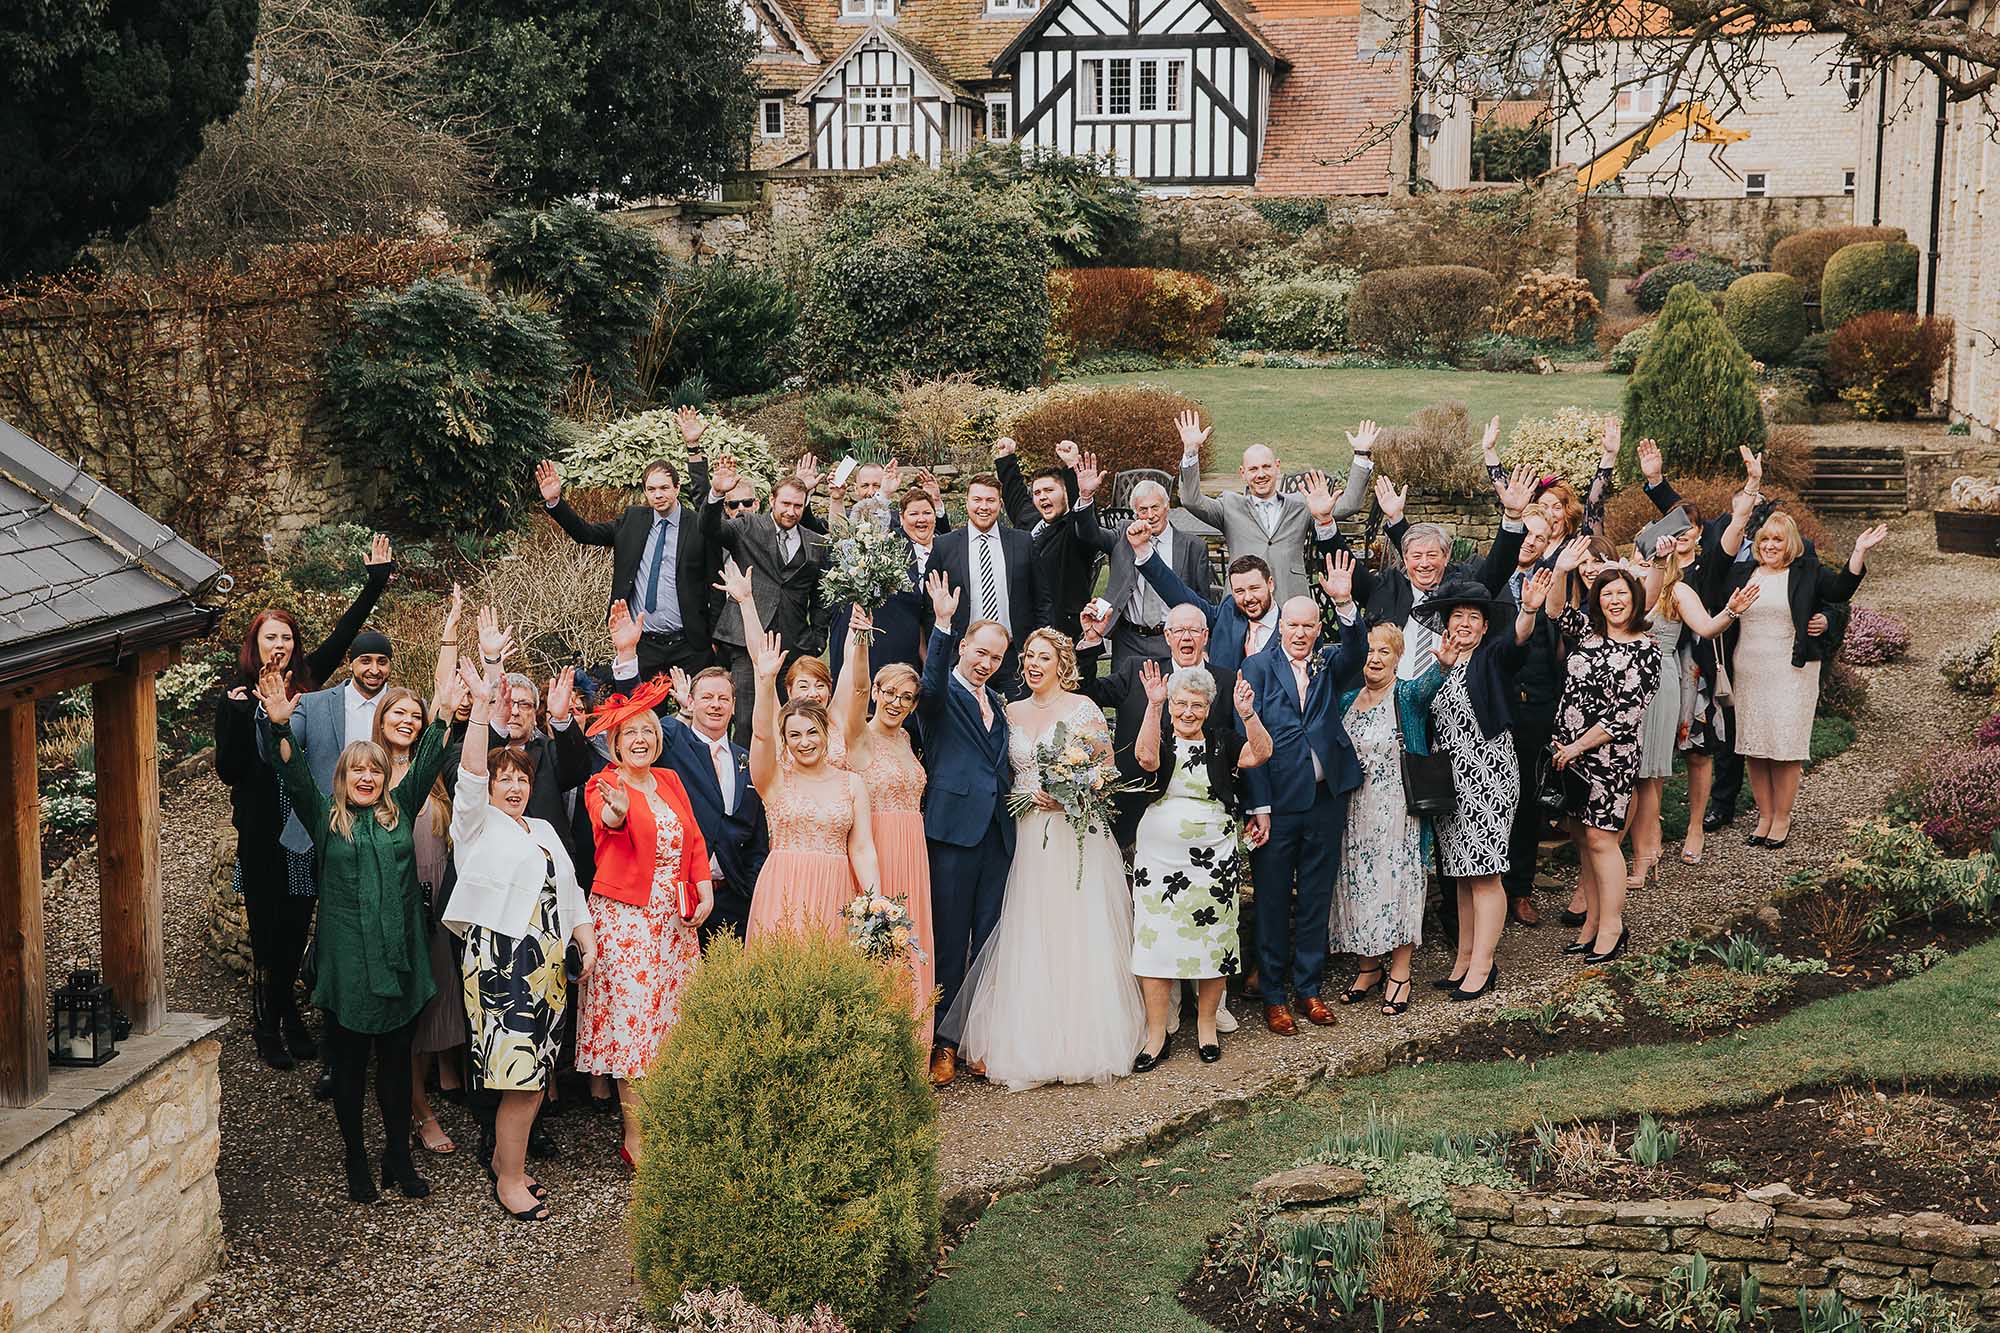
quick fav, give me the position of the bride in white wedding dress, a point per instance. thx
(1051, 998)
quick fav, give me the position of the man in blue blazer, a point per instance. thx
(1298, 801)
(967, 777)
(1242, 624)
(992, 569)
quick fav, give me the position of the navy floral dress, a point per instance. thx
(1605, 683)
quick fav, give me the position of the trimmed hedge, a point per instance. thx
(1155, 310)
(1803, 254)
(1305, 314)
(1709, 275)
(1692, 392)
(1125, 425)
(1861, 279)
(1430, 310)
(1767, 313)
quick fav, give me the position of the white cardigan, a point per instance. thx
(501, 869)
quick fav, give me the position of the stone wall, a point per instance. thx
(1929, 473)
(107, 1220)
(228, 934)
(1743, 229)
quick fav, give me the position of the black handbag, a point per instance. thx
(1552, 786)
(1428, 789)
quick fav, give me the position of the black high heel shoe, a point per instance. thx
(1209, 1052)
(1446, 983)
(360, 1180)
(402, 1173)
(1576, 948)
(1395, 1008)
(1142, 1062)
(1357, 994)
(1461, 994)
(538, 1213)
(1613, 951)
(1572, 919)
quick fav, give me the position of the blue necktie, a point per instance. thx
(659, 558)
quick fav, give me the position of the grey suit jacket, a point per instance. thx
(319, 723)
(1285, 549)
(787, 593)
(1189, 563)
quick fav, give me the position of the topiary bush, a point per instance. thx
(1302, 314)
(1693, 392)
(1861, 279)
(1625, 354)
(1708, 275)
(616, 455)
(1155, 310)
(1567, 444)
(1803, 254)
(1886, 363)
(730, 323)
(1767, 314)
(602, 279)
(1430, 310)
(1125, 425)
(928, 275)
(791, 1137)
(447, 393)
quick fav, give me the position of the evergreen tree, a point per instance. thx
(1692, 392)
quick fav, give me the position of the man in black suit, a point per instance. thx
(785, 558)
(991, 568)
(660, 564)
(1066, 551)
(1138, 611)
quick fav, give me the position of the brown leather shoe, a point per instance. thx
(1522, 911)
(944, 1066)
(1316, 1011)
(976, 1068)
(1279, 1020)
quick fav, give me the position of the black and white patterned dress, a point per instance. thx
(1606, 683)
(1472, 839)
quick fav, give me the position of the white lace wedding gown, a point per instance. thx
(1051, 998)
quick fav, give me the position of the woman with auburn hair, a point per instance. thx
(808, 679)
(880, 754)
(1771, 656)
(277, 886)
(651, 893)
(373, 948)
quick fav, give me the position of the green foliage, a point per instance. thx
(1509, 152)
(1568, 443)
(791, 1135)
(1972, 665)
(1903, 876)
(1825, 1313)
(1293, 217)
(1869, 276)
(329, 556)
(1767, 314)
(1625, 356)
(616, 456)
(596, 97)
(184, 687)
(1693, 392)
(1707, 996)
(104, 106)
(1909, 1309)
(1294, 313)
(857, 421)
(602, 278)
(1708, 275)
(927, 275)
(1313, 1261)
(1087, 210)
(1419, 1172)
(447, 393)
(1653, 1144)
(1432, 309)
(1803, 254)
(730, 323)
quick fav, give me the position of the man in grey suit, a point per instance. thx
(1264, 521)
(785, 559)
(1138, 614)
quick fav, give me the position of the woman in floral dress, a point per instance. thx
(1610, 675)
(1188, 859)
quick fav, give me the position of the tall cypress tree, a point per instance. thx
(1693, 391)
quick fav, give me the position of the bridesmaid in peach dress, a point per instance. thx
(878, 749)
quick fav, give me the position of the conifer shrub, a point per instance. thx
(791, 1137)
(1767, 314)
(1861, 279)
(602, 280)
(1692, 392)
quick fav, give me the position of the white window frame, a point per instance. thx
(1848, 178)
(1000, 107)
(866, 100)
(1636, 101)
(867, 9)
(1167, 75)
(1756, 185)
(765, 105)
(1012, 8)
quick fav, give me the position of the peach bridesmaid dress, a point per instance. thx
(807, 880)
(895, 782)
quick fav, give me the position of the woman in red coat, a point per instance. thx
(651, 892)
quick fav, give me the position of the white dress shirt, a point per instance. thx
(1146, 606)
(360, 710)
(977, 545)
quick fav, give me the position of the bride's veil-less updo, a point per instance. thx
(1067, 676)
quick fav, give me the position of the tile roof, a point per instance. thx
(1516, 113)
(1326, 109)
(957, 35)
(918, 55)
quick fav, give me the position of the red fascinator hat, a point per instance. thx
(615, 711)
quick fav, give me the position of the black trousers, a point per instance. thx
(1531, 742)
(658, 652)
(391, 1050)
(279, 921)
(1728, 788)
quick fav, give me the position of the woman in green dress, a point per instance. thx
(373, 946)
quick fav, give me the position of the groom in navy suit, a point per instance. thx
(967, 777)
(1298, 801)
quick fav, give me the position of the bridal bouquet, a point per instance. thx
(1080, 778)
(881, 928)
(870, 562)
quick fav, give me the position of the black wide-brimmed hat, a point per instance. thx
(1456, 592)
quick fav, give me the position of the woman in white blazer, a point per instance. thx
(519, 908)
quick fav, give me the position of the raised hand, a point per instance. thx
(892, 477)
(1753, 469)
(1489, 443)
(1870, 539)
(272, 693)
(562, 694)
(1245, 699)
(1535, 592)
(859, 623)
(808, 472)
(1517, 492)
(474, 684)
(1362, 438)
(1572, 554)
(1138, 536)
(616, 800)
(449, 634)
(1154, 681)
(1093, 624)
(691, 425)
(493, 640)
(928, 481)
(1662, 547)
(450, 692)
(1651, 466)
(1614, 431)
(1193, 434)
(378, 552)
(723, 476)
(944, 598)
(1319, 494)
(1740, 600)
(625, 632)
(1088, 477)
(1004, 447)
(1068, 453)
(1391, 498)
(768, 656)
(735, 581)
(681, 685)
(549, 481)
(1338, 580)
(1451, 646)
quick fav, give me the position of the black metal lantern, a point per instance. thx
(83, 1027)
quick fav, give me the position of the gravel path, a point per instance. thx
(301, 1256)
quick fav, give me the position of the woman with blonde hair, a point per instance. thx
(373, 946)
(1770, 657)
(879, 753)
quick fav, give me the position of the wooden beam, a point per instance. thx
(157, 659)
(125, 717)
(24, 1001)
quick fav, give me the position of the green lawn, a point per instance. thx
(1107, 1251)
(1301, 413)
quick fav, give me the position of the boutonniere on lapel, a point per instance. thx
(742, 761)
(1315, 663)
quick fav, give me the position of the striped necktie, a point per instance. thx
(989, 589)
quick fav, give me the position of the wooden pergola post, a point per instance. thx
(125, 722)
(24, 1003)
